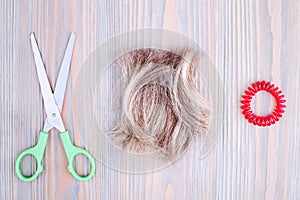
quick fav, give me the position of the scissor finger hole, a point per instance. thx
(28, 165)
(82, 165)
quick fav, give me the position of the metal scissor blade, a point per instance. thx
(50, 105)
(61, 83)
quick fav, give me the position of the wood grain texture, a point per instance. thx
(247, 40)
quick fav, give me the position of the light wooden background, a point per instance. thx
(248, 40)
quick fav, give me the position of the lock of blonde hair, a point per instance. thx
(161, 108)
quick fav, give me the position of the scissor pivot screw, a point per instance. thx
(53, 115)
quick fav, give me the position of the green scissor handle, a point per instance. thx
(38, 152)
(71, 152)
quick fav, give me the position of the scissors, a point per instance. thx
(53, 102)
